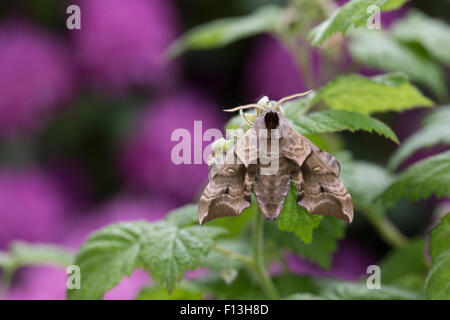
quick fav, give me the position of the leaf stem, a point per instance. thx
(248, 261)
(387, 230)
(258, 257)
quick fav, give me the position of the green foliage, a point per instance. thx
(106, 257)
(378, 49)
(166, 249)
(421, 180)
(338, 290)
(351, 15)
(22, 254)
(365, 181)
(437, 284)
(185, 291)
(432, 34)
(388, 92)
(31, 254)
(404, 261)
(294, 218)
(339, 120)
(224, 31)
(436, 131)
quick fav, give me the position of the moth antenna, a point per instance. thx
(247, 106)
(244, 116)
(297, 95)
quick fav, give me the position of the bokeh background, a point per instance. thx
(86, 117)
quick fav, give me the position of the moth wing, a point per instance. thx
(293, 145)
(247, 147)
(226, 194)
(321, 191)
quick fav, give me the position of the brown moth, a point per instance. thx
(244, 170)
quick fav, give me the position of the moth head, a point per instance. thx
(263, 107)
(271, 119)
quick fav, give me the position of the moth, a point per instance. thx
(244, 168)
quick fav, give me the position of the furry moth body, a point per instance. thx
(314, 172)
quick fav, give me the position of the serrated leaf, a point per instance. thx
(433, 34)
(339, 120)
(32, 254)
(294, 218)
(440, 237)
(184, 216)
(168, 251)
(324, 242)
(437, 285)
(431, 134)
(365, 181)
(377, 49)
(403, 261)
(106, 257)
(352, 14)
(421, 180)
(221, 32)
(388, 92)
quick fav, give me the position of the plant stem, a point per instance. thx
(387, 230)
(258, 257)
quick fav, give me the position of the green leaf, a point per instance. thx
(404, 261)
(437, 285)
(440, 238)
(351, 15)
(377, 49)
(324, 242)
(168, 250)
(6, 260)
(339, 290)
(339, 120)
(106, 257)
(294, 218)
(388, 92)
(184, 216)
(221, 32)
(184, 291)
(431, 134)
(393, 4)
(365, 181)
(432, 34)
(32, 254)
(421, 180)
(304, 296)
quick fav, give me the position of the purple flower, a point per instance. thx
(146, 156)
(272, 71)
(48, 283)
(123, 208)
(122, 42)
(31, 207)
(349, 262)
(35, 76)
